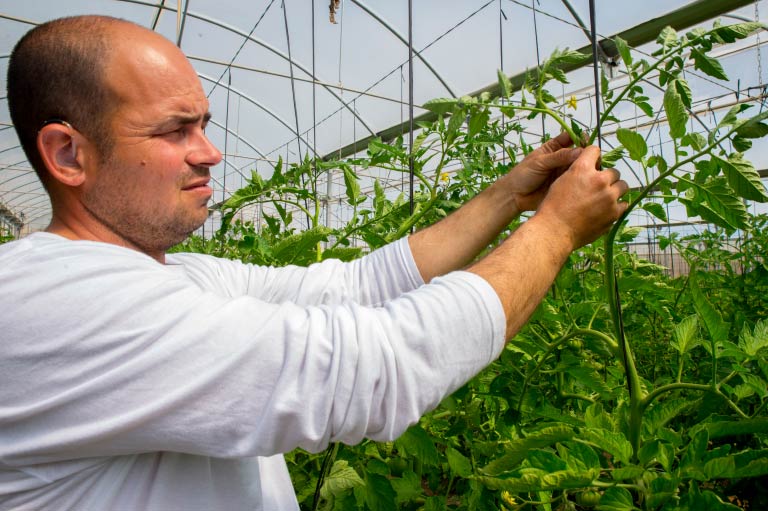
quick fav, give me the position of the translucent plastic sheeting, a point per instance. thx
(344, 80)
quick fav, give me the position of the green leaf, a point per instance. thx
(517, 450)
(624, 51)
(546, 460)
(628, 472)
(454, 124)
(459, 463)
(578, 456)
(343, 253)
(565, 56)
(754, 342)
(610, 158)
(708, 65)
(663, 412)
(417, 443)
(677, 116)
(615, 444)
(713, 321)
(741, 144)
(616, 499)
(707, 501)
(299, 248)
(717, 203)
(656, 210)
(379, 494)
(342, 477)
(731, 33)
(685, 336)
(695, 140)
(505, 85)
(351, 184)
(407, 487)
(633, 142)
(595, 417)
(539, 481)
(441, 106)
(753, 130)
(478, 121)
(667, 38)
(682, 87)
(435, 503)
(743, 178)
(659, 451)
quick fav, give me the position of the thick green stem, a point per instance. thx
(611, 289)
(693, 386)
(627, 357)
(548, 111)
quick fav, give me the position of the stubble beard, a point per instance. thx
(150, 227)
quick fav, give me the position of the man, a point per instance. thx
(132, 380)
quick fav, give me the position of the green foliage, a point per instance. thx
(651, 398)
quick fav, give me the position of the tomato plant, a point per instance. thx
(628, 389)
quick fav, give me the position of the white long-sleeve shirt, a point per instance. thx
(126, 384)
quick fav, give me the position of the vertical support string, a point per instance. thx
(596, 65)
(501, 67)
(410, 104)
(226, 140)
(538, 53)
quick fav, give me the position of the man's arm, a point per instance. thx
(580, 206)
(455, 241)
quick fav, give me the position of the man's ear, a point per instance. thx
(59, 148)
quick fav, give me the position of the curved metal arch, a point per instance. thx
(29, 221)
(41, 203)
(262, 107)
(236, 134)
(13, 165)
(261, 43)
(21, 195)
(22, 185)
(403, 40)
(17, 146)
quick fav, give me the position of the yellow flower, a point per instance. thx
(572, 102)
(508, 498)
(444, 177)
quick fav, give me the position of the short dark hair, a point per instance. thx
(57, 71)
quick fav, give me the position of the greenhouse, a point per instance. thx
(419, 255)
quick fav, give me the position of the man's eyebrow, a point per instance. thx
(186, 119)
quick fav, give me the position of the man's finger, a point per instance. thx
(561, 158)
(561, 141)
(589, 157)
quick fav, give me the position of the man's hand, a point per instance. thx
(584, 200)
(580, 205)
(529, 181)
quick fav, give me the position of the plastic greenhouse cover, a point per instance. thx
(350, 73)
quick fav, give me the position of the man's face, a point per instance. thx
(152, 188)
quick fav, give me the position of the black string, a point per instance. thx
(596, 65)
(183, 22)
(538, 53)
(501, 67)
(410, 104)
(226, 139)
(240, 48)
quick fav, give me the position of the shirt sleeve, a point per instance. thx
(372, 279)
(101, 361)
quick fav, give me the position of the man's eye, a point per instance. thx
(175, 132)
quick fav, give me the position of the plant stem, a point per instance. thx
(545, 110)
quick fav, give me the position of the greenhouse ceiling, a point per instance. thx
(287, 78)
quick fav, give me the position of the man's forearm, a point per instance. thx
(456, 240)
(522, 269)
